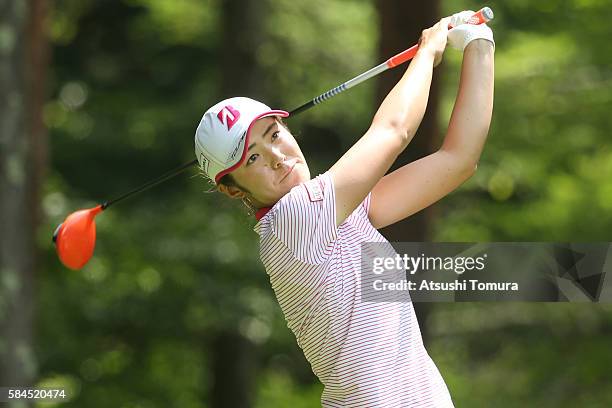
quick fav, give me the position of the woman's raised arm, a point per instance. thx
(393, 127)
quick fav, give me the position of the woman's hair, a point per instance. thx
(228, 181)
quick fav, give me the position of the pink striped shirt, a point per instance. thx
(366, 354)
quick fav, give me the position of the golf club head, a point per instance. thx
(75, 238)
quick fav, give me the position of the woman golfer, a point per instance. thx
(367, 354)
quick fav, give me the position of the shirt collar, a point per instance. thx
(262, 212)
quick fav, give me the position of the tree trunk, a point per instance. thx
(233, 365)
(242, 24)
(401, 24)
(233, 355)
(23, 149)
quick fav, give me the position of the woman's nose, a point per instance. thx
(277, 158)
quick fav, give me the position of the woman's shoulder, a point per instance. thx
(300, 198)
(304, 218)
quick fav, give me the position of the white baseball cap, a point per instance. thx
(222, 137)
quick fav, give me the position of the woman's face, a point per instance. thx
(274, 164)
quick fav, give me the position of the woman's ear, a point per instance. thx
(231, 191)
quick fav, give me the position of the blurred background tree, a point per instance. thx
(175, 308)
(398, 21)
(23, 152)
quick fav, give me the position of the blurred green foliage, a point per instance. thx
(546, 173)
(129, 82)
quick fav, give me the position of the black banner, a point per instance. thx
(496, 271)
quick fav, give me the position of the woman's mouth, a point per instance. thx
(289, 171)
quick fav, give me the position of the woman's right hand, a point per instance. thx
(433, 40)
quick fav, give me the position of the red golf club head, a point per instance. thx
(75, 238)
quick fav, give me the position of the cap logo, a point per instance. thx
(228, 116)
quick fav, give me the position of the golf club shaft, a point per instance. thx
(152, 183)
(482, 16)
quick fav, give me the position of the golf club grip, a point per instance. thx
(483, 15)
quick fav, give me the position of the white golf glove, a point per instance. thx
(462, 34)
(461, 18)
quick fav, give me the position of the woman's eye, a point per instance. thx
(252, 158)
(275, 135)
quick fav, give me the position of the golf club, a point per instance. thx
(75, 238)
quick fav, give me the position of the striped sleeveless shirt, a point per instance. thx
(366, 354)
